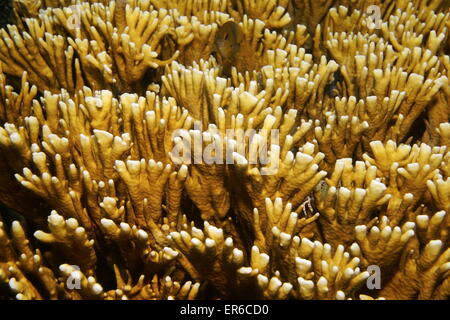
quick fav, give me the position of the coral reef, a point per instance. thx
(96, 97)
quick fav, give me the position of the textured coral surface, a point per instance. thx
(96, 95)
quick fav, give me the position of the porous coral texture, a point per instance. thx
(96, 95)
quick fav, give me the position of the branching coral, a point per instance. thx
(218, 149)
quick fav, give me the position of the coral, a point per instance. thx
(219, 149)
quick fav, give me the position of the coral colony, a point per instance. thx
(219, 149)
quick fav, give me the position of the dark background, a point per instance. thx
(5, 12)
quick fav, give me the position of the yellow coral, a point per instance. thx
(218, 149)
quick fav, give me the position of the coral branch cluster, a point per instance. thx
(95, 96)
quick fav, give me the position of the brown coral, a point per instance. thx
(129, 131)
